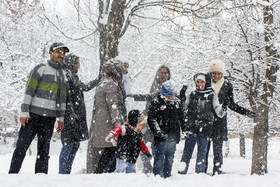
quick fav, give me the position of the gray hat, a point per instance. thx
(58, 45)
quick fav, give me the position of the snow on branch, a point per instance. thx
(183, 7)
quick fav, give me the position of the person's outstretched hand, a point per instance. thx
(60, 126)
(23, 120)
(129, 95)
(251, 114)
(109, 138)
(183, 93)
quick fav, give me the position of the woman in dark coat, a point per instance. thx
(202, 104)
(75, 128)
(224, 90)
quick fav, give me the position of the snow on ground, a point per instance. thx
(237, 170)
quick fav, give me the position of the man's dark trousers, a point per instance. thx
(43, 127)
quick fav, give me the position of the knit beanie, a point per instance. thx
(168, 88)
(201, 77)
(217, 65)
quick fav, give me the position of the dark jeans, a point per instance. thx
(190, 142)
(67, 156)
(43, 127)
(165, 151)
(218, 156)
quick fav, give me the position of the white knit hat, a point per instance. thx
(201, 77)
(217, 65)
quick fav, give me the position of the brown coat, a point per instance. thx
(109, 105)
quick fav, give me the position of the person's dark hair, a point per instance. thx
(69, 61)
(133, 116)
(126, 65)
(168, 69)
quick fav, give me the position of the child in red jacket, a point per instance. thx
(129, 143)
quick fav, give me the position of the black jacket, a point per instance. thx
(129, 145)
(226, 98)
(200, 113)
(166, 116)
(75, 122)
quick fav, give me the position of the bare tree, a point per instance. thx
(257, 70)
(260, 142)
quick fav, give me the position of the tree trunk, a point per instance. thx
(260, 142)
(108, 49)
(110, 32)
(242, 145)
(259, 151)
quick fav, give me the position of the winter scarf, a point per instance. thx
(61, 83)
(218, 85)
(166, 100)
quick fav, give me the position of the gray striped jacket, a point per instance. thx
(41, 93)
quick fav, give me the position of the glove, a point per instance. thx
(129, 95)
(224, 106)
(160, 135)
(226, 103)
(183, 93)
(109, 138)
(251, 114)
(149, 155)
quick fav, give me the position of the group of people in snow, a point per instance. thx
(54, 92)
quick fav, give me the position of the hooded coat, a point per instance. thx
(75, 122)
(200, 108)
(109, 103)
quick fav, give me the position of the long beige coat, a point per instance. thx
(108, 103)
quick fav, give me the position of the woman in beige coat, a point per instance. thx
(110, 111)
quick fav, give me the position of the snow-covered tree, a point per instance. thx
(22, 41)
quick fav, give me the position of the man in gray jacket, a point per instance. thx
(43, 103)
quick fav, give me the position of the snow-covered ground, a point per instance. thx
(237, 170)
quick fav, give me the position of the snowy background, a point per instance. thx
(184, 43)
